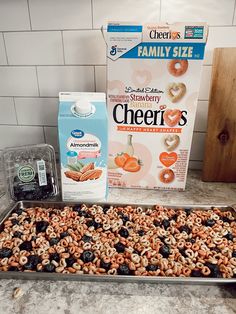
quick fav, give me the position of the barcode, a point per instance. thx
(41, 167)
(42, 172)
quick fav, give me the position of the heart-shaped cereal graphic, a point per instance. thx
(141, 78)
(171, 142)
(172, 116)
(176, 91)
(168, 159)
(115, 87)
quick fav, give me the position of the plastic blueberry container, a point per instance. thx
(30, 172)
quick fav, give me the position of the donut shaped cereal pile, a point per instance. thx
(120, 240)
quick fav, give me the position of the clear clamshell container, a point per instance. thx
(30, 172)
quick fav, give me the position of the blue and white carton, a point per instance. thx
(83, 140)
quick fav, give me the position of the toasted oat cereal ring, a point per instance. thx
(166, 175)
(206, 271)
(23, 260)
(177, 67)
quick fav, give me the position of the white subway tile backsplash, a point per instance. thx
(197, 148)
(211, 11)
(14, 15)
(18, 81)
(36, 111)
(8, 115)
(33, 48)
(201, 116)
(20, 135)
(55, 79)
(51, 136)
(100, 78)
(205, 83)
(219, 37)
(3, 57)
(123, 10)
(60, 14)
(234, 21)
(84, 47)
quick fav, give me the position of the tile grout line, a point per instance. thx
(234, 12)
(37, 80)
(160, 10)
(94, 75)
(29, 15)
(63, 47)
(92, 13)
(5, 47)
(44, 135)
(17, 122)
(82, 29)
(52, 65)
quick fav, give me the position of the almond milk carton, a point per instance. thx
(82, 128)
(153, 74)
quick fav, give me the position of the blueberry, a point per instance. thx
(64, 234)
(13, 268)
(165, 251)
(182, 252)
(105, 209)
(29, 266)
(152, 267)
(49, 268)
(87, 256)
(196, 273)
(55, 257)
(15, 222)
(214, 268)
(165, 223)
(77, 208)
(90, 223)
(81, 212)
(234, 254)
(174, 217)
(5, 252)
(188, 211)
(18, 211)
(185, 229)
(136, 252)
(229, 236)
(104, 265)
(124, 233)
(125, 218)
(26, 245)
(123, 270)
(86, 238)
(156, 223)
(17, 234)
(41, 226)
(192, 240)
(70, 261)
(33, 238)
(226, 219)
(141, 233)
(120, 213)
(210, 222)
(120, 248)
(54, 241)
(34, 259)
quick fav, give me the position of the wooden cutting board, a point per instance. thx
(220, 145)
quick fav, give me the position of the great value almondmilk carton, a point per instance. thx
(83, 139)
(153, 74)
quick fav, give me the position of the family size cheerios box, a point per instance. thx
(153, 79)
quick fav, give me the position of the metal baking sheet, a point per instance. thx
(111, 278)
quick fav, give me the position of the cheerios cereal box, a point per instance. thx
(153, 78)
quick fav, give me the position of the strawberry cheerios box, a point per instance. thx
(153, 74)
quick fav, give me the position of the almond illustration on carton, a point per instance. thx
(87, 167)
(74, 175)
(91, 175)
